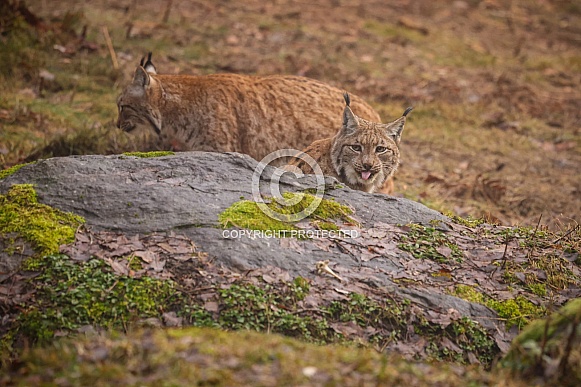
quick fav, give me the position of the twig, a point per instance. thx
(167, 9)
(566, 234)
(534, 244)
(507, 239)
(110, 47)
(505, 250)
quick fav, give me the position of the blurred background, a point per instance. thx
(496, 129)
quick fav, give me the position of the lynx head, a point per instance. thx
(138, 103)
(364, 153)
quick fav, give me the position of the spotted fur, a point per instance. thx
(363, 154)
(231, 112)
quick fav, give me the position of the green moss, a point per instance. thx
(517, 311)
(71, 294)
(391, 30)
(559, 276)
(468, 293)
(322, 225)
(247, 214)
(538, 289)
(149, 154)
(44, 227)
(425, 242)
(9, 171)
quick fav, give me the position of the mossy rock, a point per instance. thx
(43, 227)
(9, 171)
(149, 154)
(248, 214)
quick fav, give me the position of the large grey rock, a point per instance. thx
(187, 192)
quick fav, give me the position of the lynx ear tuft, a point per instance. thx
(350, 123)
(347, 98)
(141, 78)
(395, 128)
(148, 64)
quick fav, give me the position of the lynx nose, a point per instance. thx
(366, 166)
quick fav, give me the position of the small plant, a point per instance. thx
(425, 242)
(471, 337)
(71, 294)
(469, 221)
(249, 307)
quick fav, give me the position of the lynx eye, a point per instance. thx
(380, 149)
(355, 148)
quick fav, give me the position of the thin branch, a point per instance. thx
(110, 47)
(566, 234)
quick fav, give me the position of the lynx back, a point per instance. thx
(231, 112)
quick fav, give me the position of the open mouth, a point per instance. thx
(366, 175)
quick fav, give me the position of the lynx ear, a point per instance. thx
(395, 128)
(350, 123)
(148, 65)
(141, 78)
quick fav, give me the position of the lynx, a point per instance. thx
(364, 154)
(231, 113)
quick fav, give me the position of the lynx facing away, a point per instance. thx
(363, 155)
(230, 112)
